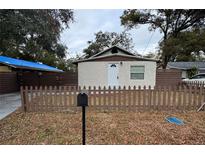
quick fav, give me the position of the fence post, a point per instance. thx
(190, 97)
(109, 104)
(119, 98)
(23, 101)
(60, 97)
(45, 98)
(195, 98)
(149, 98)
(50, 98)
(200, 96)
(104, 99)
(159, 97)
(41, 102)
(169, 97)
(184, 97)
(144, 97)
(75, 91)
(31, 106)
(164, 100)
(139, 98)
(55, 97)
(90, 92)
(65, 96)
(154, 97)
(134, 100)
(124, 98)
(129, 99)
(114, 98)
(179, 98)
(94, 96)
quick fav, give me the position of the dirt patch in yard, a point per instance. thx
(102, 128)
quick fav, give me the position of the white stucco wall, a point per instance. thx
(184, 74)
(96, 73)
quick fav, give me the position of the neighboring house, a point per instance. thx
(116, 67)
(8, 64)
(11, 70)
(185, 66)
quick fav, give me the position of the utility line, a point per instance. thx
(148, 42)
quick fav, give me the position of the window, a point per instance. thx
(114, 50)
(137, 72)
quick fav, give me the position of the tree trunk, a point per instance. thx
(165, 62)
(164, 56)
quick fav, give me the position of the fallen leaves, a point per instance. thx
(102, 128)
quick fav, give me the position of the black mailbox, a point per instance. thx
(82, 99)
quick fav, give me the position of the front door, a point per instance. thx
(113, 79)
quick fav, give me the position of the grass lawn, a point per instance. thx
(102, 128)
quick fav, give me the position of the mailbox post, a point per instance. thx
(82, 100)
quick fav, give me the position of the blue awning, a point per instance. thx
(23, 64)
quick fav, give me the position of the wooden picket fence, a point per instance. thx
(64, 98)
(193, 83)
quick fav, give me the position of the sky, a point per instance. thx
(88, 22)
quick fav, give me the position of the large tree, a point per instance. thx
(169, 22)
(34, 34)
(105, 40)
(188, 46)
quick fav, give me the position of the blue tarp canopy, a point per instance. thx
(23, 64)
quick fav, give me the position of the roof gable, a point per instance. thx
(115, 53)
(119, 58)
(114, 50)
(115, 58)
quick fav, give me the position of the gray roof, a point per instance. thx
(187, 65)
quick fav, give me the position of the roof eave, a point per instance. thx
(93, 59)
(38, 69)
(180, 68)
(31, 68)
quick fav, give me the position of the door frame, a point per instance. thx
(117, 72)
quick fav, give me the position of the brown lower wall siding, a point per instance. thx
(48, 79)
(11, 81)
(8, 82)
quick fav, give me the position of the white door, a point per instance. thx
(113, 79)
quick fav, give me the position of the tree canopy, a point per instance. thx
(105, 40)
(34, 34)
(169, 22)
(188, 46)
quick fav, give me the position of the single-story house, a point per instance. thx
(116, 67)
(185, 66)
